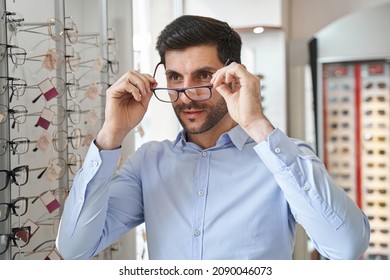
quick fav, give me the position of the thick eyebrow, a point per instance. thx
(196, 72)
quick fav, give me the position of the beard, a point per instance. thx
(215, 113)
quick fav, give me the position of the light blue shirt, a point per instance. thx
(237, 200)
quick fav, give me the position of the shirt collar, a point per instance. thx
(236, 135)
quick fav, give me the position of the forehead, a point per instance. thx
(186, 60)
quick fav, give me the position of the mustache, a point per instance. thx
(192, 105)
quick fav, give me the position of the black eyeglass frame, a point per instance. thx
(178, 90)
(12, 208)
(11, 176)
(13, 237)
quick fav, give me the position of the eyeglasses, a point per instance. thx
(46, 87)
(19, 236)
(171, 95)
(18, 207)
(17, 113)
(371, 112)
(371, 98)
(57, 167)
(382, 230)
(342, 99)
(382, 218)
(69, 29)
(16, 85)
(61, 139)
(379, 151)
(379, 203)
(113, 65)
(381, 191)
(50, 58)
(56, 114)
(47, 246)
(17, 54)
(344, 112)
(370, 85)
(18, 175)
(18, 145)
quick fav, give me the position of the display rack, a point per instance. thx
(54, 77)
(352, 97)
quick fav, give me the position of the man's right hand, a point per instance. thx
(126, 103)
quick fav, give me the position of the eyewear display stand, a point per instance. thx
(352, 97)
(5, 195)
(53, 81)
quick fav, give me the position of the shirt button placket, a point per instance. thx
(200, 204)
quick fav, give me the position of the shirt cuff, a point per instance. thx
(278, 152)
(103, 162)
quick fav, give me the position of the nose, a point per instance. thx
(182, 94)
(184, 98)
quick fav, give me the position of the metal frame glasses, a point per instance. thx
(18, 145)
(17, 54)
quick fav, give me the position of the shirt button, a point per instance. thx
(277, 150)
(80, 200)
(196, 233)
(201, 193)
(306, 187)
(95, 163)
(204, 154)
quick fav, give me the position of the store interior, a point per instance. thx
(325, 76)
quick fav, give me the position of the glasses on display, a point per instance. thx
(370, 85)
(18, 146)
(372, 112)
(47, 247)
(17, 54)
(381, 191)
(15, 85)
(381, 218)
(378, 164)
(61, 139)
(380, 178)
(171, 95)
(20, 237)
(18, 113)
(50, 87)
(52, 56)
(55, 29)
(73, 113)
(18, 175)
(370, 137)
(56, 115)
(373, 98)
(378, 151)
(17, 207)
(381, 204)
(382, 230)
(57, 167)
(112, 65)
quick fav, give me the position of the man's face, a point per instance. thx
(195, 66)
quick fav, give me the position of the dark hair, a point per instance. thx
(189, 30)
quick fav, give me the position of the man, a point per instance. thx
(230, 186)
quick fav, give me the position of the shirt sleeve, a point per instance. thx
(78, 236)
(332, 220)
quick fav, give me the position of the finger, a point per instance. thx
(133, 82)
(142, 81)
(226, 75)
(224, 90)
